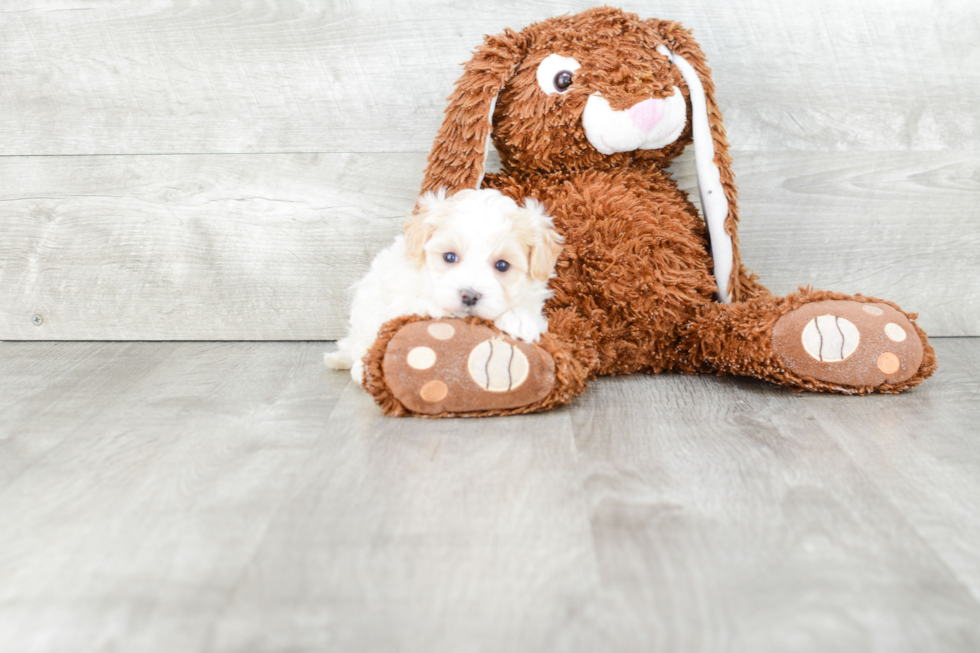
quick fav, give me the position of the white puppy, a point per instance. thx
(475, 253)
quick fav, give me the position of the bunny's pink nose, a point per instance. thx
(645, 115)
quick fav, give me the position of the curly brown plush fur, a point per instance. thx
(634, 290)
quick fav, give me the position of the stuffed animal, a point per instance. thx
(587, 112)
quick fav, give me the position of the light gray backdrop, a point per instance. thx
(225, 170)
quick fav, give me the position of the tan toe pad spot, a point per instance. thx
(895, 332)
(421, 358)
(434, 391)
(889, 363)
(441, 330)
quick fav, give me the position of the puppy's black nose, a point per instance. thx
(470, 296)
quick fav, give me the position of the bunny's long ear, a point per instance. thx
(716, 183)
(460, 150)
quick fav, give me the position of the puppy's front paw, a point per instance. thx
(357, 372)
(433, 310)
(521, 324)
(338, 360)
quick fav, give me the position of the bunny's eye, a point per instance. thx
(563, 80)
(554, 74)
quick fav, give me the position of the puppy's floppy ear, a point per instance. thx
(545, 243)
(459, 153)
(716, 183)
(420, 227)
(545, 254)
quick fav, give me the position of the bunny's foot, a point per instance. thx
(849, 344)
(812, 340)
(464, 367)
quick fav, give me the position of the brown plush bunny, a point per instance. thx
(587, 112)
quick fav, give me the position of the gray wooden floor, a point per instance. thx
(240, 497)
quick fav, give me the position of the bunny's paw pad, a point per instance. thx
(848, 343)
(453, 366)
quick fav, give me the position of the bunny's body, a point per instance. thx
(636, 307)
(587, 112)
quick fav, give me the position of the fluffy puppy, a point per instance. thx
(475, 253)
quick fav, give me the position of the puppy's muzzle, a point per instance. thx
(470, 297)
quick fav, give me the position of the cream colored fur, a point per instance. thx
(482, 228)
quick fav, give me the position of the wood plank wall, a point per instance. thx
(225, 170)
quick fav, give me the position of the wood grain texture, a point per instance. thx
(476, 540)
(731, 506)
(131, 77)
(209, 497)
(143, 469)
(194, 247)
(893, 225)
(907, 441)
(229, 247)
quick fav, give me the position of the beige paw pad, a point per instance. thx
(830, 338)
(497, 366)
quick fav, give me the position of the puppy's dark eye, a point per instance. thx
(449, 257)
(563, 80)
(502, 266)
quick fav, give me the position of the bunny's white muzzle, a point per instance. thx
(647, 125)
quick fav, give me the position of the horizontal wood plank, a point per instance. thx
(192, 247)
(898, 226)
(125, 76)
(266, 246)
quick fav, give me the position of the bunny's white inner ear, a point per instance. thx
(489, 144)
(714, 204)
